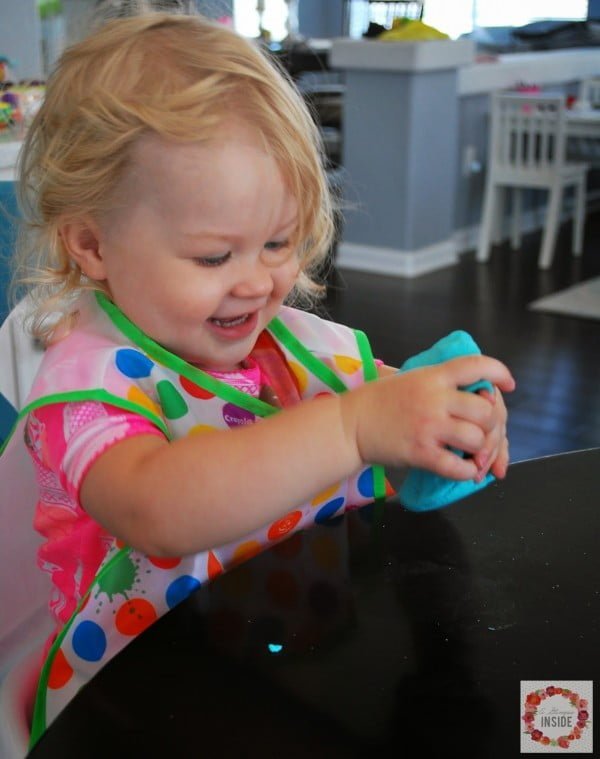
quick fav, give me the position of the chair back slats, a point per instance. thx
(527, 132)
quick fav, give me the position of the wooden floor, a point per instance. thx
(554, 359)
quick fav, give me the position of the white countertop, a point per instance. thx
(542, 67)
(427, 55)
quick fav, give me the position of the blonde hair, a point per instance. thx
(177, 76)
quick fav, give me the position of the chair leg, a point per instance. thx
(487, 222)
(579, 218)
(551, 227)
(515, 237)
(498, 223)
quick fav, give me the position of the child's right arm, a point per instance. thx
(201, 491)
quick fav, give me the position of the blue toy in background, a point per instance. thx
(423, 490)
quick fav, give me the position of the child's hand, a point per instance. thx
(494, 454)
(415, 417)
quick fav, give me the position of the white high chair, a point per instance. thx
(24, 590)
(527, 149)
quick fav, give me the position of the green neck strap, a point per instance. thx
(231, 394)
(197, 376)
(217, 387)
(278, 329)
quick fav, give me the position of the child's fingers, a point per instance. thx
(466, 370)
(454, 467)
(473, 408)
(500, 465)
(495, 449)
(486, 395)
(465, 436)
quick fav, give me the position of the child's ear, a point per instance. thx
(81, 238)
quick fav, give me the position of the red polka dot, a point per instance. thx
(282, 526)
(135, 616)
(195, 390)
(163, 562)
(60, 671)
(213, 566)
(389, 489)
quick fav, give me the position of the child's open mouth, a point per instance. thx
(235, 327)
(233, 322)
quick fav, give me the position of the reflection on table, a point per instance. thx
(361, 636)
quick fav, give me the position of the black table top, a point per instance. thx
(366, 635)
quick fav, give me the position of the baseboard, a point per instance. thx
(413, 263)
(394, 261)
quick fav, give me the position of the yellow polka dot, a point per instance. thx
(347, 364)
(325, 495)
(135, 395)
(301, 375)
(246, 551)
(199, 429)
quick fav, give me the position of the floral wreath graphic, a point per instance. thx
(535, 698)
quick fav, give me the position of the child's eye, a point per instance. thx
(213, 260)
(276, 244)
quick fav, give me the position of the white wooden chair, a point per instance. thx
(25, 621)
(527, 150)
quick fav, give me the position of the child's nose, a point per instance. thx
(255, 281)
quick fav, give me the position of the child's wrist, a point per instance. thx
(349, 409)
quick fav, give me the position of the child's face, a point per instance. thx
(200, 254)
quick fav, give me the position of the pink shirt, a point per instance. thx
(64, 440)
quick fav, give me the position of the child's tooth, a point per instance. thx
(231, 322)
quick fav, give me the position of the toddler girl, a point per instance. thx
(184, 418)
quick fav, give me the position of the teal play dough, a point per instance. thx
(423, 490)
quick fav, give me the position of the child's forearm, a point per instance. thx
(206, 490)
(185, 496)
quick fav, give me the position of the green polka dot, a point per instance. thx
(171, 400)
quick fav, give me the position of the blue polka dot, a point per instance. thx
(133, 364)
(327, 511)
(180, 589)
(365, 483)
(89, 641)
